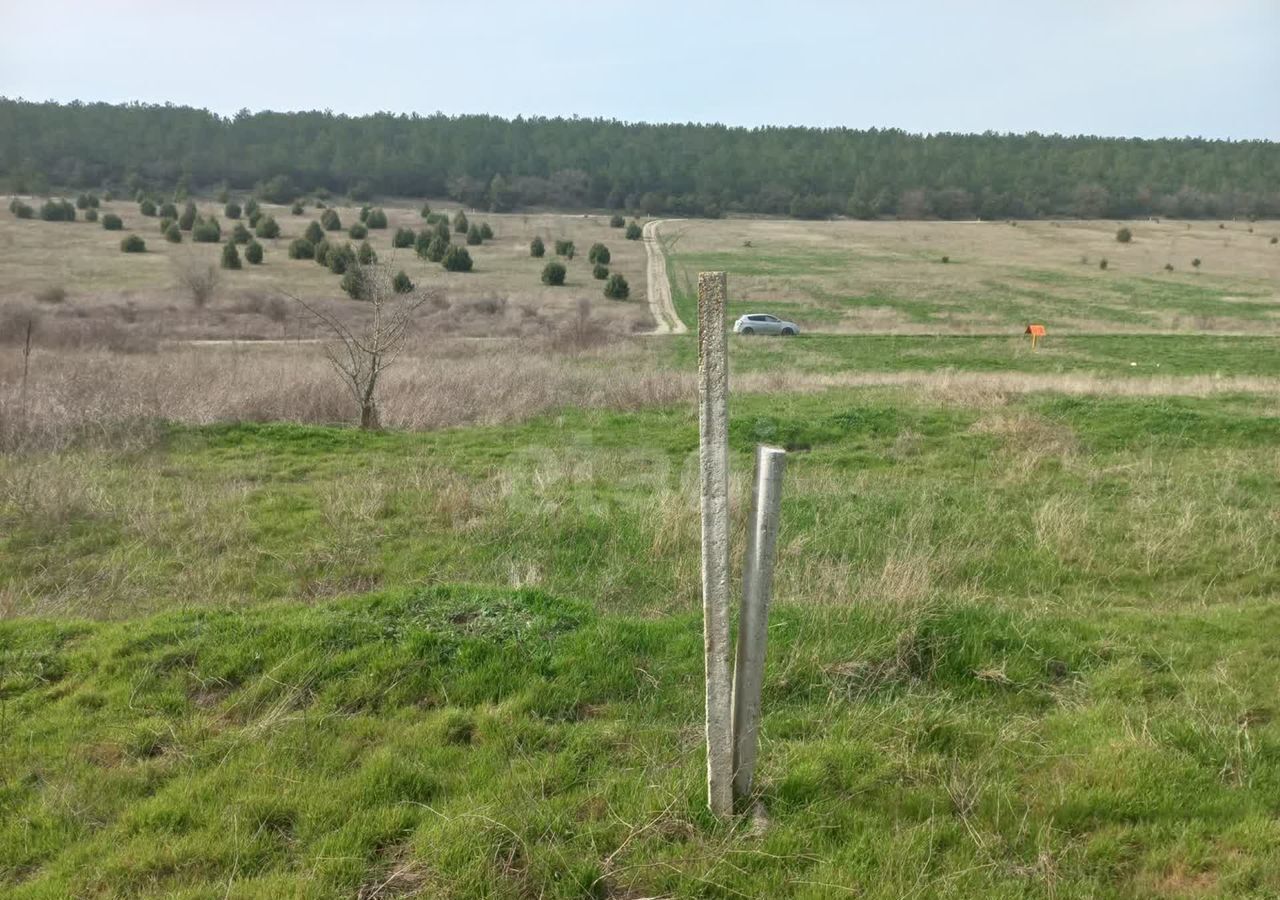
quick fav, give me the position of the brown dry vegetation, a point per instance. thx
(104, 291)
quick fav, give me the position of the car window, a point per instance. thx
(769, 318)
(758, 318)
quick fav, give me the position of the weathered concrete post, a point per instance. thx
(753, 625)
(713, 457)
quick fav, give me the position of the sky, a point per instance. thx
(1143, 68)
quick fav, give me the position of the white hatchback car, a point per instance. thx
(759, 323)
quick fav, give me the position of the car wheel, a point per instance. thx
(788, 332)
(748, 330)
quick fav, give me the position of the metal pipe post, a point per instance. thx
(753, 625)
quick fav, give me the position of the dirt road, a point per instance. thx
(659, 288)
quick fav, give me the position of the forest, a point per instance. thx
(488, 162)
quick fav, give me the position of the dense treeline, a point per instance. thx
(493, 163)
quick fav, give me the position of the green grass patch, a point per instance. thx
(480, 742)
(1022, 647)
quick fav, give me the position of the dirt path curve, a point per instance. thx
(659, 288)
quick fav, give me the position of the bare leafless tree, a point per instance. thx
(362, 352)
(198, 277)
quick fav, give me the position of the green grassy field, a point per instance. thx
(891, 277)
(1021, 648)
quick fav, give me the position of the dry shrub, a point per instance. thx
(272, 306)
(197, 278)
(51, 295)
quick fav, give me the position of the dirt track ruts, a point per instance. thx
(659, 288)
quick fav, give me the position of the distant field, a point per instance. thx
(889, 276)
(102, 282)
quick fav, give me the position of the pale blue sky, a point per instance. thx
(1124, 67)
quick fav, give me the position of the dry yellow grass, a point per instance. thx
(85, 260)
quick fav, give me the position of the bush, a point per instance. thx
(364, 214)
(302, 249)
(617, 221)
(223, 194)
(254, 218)
(946, 259)
(296, 209)
(23, 211)
(253, 252)
(1102, 263)
(173, 234)
(599, 253)
(58, 211)
(268, 228)
(365, 254)
(147, 207)
(457, 259)
(231, 210)
(90, 214)
(164, 225)
(425, 212)
(565, 249)
(460, 224)
(354, 283)
(616, 288)
(599, 272)
(82, 202)
(330, 221)
(52, 294)
(240, 234)
(206, 231)
(187, 220)
(402, 238)
(1275, 240)
(358, 231)
(553, 273)
(473, 236)
(422, 242)
(634, 232)
(1195, 264)
(537, 249)
(1124, 235)
(314, 233)
(1168, 267)
(322, 249)
(251, 208)
(112, 222)
(341, 258)
(133, 244)
(485, 231)
(438, 248)
(230, 256)
(168, 211)
(442, 229)
(377, 219)
(401, 283)
(434, 218)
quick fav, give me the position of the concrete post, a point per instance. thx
(713, 433)
(753, 625)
